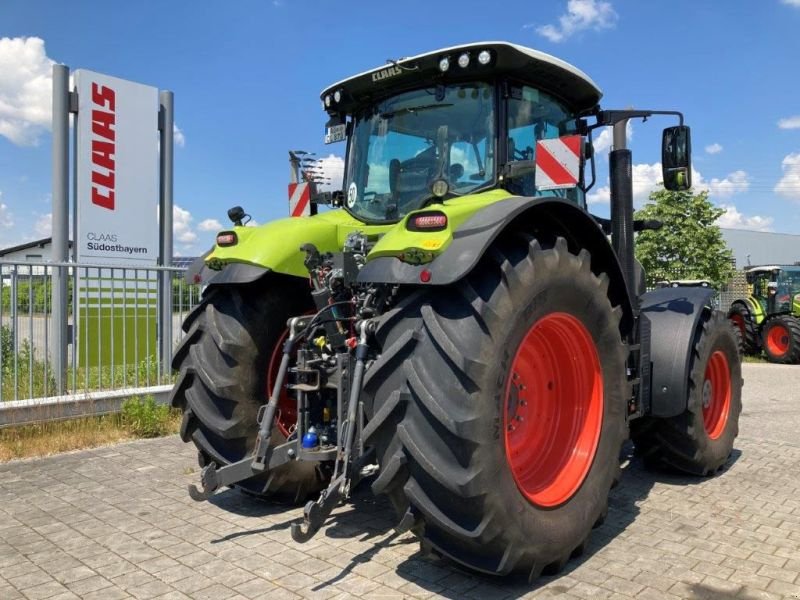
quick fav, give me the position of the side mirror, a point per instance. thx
(676, 158)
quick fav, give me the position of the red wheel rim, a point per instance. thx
(716, 394)
(738, 320)
(553, 409)
(778, 340)
(286, 415)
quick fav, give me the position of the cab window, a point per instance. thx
(534, 115)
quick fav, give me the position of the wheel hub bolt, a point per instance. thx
(707, 392)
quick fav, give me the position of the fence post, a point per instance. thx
(60, 242)
(166, 123)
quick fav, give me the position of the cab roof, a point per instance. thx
(764, 268)
(526, 65)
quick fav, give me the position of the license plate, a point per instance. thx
(334, 134)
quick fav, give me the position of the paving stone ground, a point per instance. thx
(116, 522)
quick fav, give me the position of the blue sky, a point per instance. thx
(247, 76)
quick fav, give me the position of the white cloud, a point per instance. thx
(178, 137)
(734, 183)
(209, 225)
(648, 177)
(602, 143)
(182, 225)
(790, 122)
(789, 184)
(44, 225)
(332, 167)
(733, 219)
(792, 2)
(25, 90)
(714, 148)
(6, 218)
(581, 15)
(600, 195)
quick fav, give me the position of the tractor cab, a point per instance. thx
(776, 288)
(455, 122)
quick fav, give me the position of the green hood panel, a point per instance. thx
(276, 245)
(398, 240)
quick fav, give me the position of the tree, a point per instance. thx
(689, 245)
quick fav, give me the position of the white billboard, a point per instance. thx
(117, 170)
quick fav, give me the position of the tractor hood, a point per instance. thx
(276, 245)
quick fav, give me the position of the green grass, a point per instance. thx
(139, 418)
(754, 358)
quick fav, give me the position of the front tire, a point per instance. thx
(781, 340)
(742, 319)
(224, 362)
(700, 440)
(529, 324)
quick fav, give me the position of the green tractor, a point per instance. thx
(769, 318)
(457, 326)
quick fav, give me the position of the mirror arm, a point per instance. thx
(591, 158)
(612, 117)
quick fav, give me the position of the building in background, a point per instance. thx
(751, 248)
(38, 250)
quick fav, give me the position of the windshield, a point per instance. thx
(408, 141)
(788, 292)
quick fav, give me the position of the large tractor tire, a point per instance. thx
(781, 339)
(227, 362)
(700, 440)
(497, 409)
(743, 319)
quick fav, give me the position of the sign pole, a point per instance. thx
(60, 231)
(166, 125)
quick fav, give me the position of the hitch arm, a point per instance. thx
(212, 479)
(315, 513)
(260, 456)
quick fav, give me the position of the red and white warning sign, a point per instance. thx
(299, 199)
(558, 162)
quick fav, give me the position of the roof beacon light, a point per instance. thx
(337, 96)
(444, 64)
(463, 60)
(484, 57)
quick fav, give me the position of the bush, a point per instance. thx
(6, 345)
(145, 417)
(33, 377)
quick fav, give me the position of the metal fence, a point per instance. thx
(116, 323)
(115, 328)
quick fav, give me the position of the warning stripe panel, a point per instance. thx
(299, 199)
(558, 162)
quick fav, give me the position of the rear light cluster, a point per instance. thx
(429, 221)
(227, 238)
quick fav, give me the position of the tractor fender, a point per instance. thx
(754, 306)
(674, 316)
(542, 217)
(238, 273)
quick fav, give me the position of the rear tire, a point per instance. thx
(781, 339)
(700, 440)
(455, 369)
(742, 319)
(222, 381)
